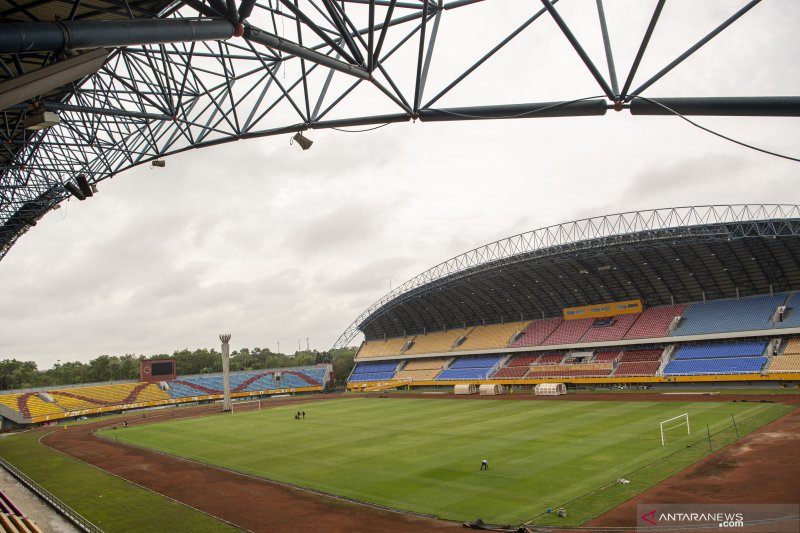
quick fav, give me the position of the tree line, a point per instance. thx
(16, 374)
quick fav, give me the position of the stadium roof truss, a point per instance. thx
(125, 82)
(663, 256)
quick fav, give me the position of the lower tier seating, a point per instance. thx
(748, 348)
(717, 365)
(607, 356)
(372, 376)
(422, 370)
(511, 372)
(631, 356)
(792, 347)
(464, 373)
(784, 363)
(637, 368)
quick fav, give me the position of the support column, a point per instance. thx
(226, 371)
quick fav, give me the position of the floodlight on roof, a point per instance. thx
(304, 142)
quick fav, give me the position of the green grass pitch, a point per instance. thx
(423, 455)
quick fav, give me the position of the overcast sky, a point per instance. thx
(273, 244)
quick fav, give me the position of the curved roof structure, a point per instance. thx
(662, 256)
(93, 87)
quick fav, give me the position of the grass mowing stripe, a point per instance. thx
(423, 454)
(109, 502)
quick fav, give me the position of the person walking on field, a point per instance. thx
(485, 464)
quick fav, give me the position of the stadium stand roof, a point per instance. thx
(662, 256)
(91, 88)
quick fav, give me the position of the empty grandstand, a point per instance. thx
(712, 289)
(45, 405)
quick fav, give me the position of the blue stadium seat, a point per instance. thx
(746, 314)
(792, 316)
(477, 362)
(376, 366)
(372, 376)
(464, 373)
(719, 365)
(728, 349)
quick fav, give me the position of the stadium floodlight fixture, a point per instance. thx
(42, 120)
(304, 142)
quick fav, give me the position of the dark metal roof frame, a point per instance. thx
(663, 255)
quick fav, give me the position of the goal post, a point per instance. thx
(670, 423)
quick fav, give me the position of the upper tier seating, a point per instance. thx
(492, 336)
(637, 368)
(654, 322)
(614, 332)
(382, 348)
(630, 356)
(536, 332)
(792, 347)
(422, 369)
(717, 365)
(607, 356)
(719, 316)
(569, 332)
(436, 342)
(791, 318)
(785, 363)
(728, 349)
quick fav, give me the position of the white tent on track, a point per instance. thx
(550, 389)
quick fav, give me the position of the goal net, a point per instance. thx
(675, 422)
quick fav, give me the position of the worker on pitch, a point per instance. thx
(485, 464)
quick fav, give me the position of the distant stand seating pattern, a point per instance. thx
(720, 316)
(654, 322)
(251, 381)
(29, 404)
